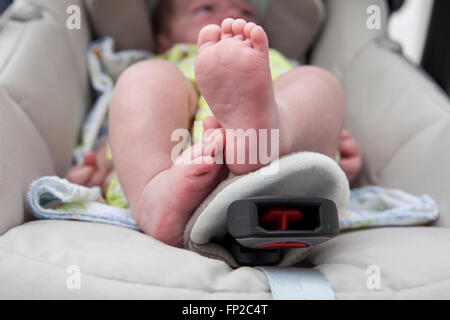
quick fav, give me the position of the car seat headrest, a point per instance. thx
(292, 25)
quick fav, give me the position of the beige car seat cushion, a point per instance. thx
(25, 157)
(396, 112)
(40, 71)
(135, 266)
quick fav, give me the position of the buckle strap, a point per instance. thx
(298, 284)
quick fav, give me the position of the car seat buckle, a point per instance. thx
(260, 229)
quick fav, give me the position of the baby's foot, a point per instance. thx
(168, 201)
(233, 75)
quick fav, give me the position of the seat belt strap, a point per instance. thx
(298, 284)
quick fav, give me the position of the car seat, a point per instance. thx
(395, 111)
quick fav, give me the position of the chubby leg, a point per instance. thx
(233, 74)
(312, 110)
(150, 101)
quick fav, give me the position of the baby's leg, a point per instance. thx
(150, 101)
(312, 110)
(233, 74)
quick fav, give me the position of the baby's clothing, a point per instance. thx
(184, 56)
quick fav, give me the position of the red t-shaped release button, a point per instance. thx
(281, 217)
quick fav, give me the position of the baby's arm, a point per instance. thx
(94, 170)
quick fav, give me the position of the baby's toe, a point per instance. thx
(200, 166)
(227, 27)
(259, 39)
(210, 34)
(209, 124)
(214, 143)
(238, 27)
(249, 28)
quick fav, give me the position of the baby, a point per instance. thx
(233, 77)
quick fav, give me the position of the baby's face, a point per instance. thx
(190, 16)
